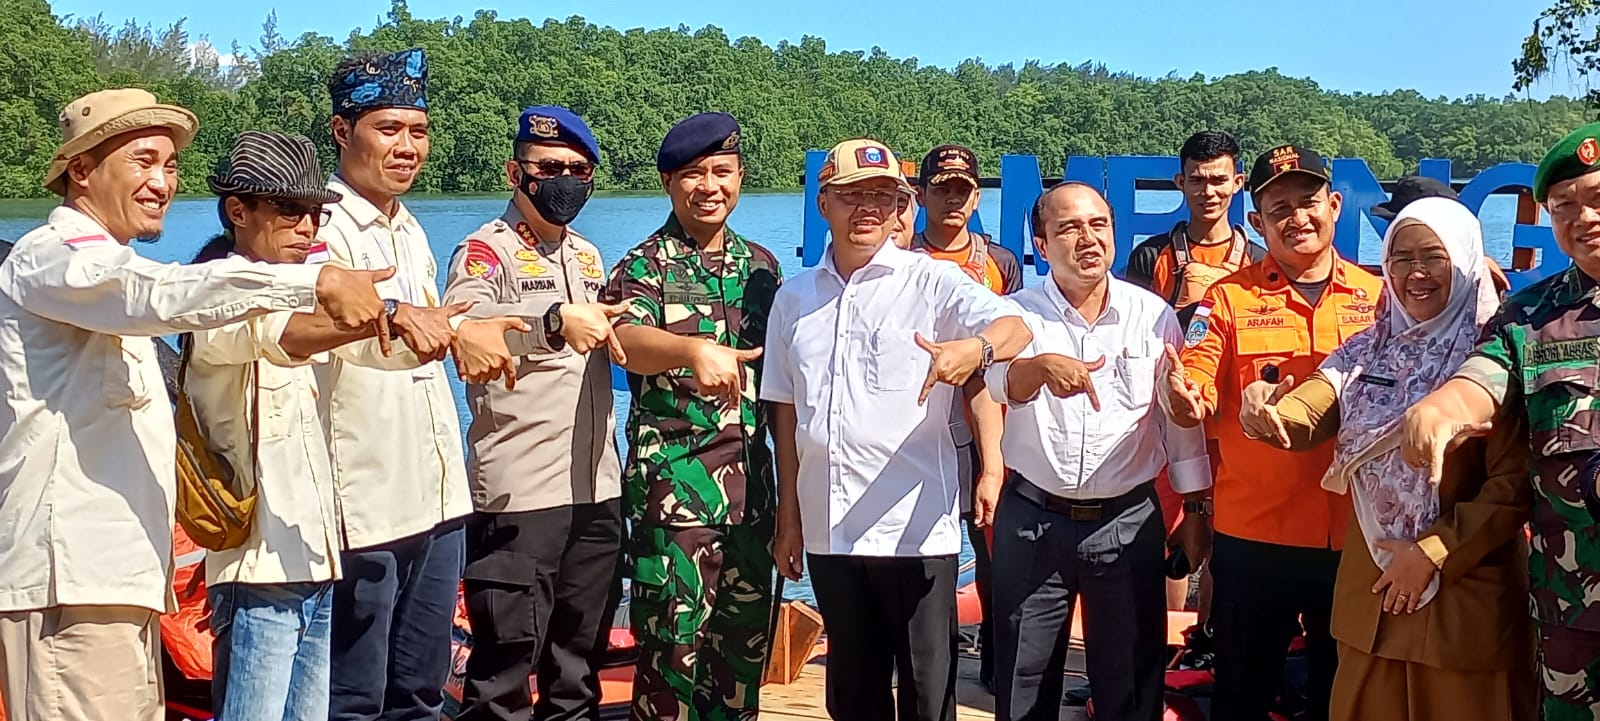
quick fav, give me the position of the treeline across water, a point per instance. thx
(631, 85)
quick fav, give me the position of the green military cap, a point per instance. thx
(1577, 154)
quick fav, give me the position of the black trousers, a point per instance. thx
(1263, 595)
(539, 585)
(883, 615)
(1044, 557)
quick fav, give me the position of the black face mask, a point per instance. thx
(558, 200)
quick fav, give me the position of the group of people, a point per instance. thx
(1248, 412)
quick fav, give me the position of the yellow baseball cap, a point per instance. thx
(853, 161)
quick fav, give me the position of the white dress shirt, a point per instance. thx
(295, 536)
(395, 439)
(878, 473)
(1067, 448)
(87, 444)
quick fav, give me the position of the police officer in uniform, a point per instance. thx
(545, 535)
(1540, 356)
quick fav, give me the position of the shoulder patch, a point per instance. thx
(88, 241)
(480, 260)
(1199, 326)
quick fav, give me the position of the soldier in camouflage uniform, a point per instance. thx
(698, 485)
(1541, 355)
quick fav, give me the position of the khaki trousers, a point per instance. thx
(81, 663)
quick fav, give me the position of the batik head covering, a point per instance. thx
(396, 80)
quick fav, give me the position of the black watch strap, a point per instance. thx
(552, 327)
(1202, 507)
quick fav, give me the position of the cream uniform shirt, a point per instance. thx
(393, 434)
(295, 534)
(552, 441)
(87, 444)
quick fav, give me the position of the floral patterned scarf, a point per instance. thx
(1382, 371)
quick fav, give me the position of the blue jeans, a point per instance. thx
(271, 651)
(393, 613)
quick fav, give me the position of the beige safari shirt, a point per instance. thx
(87, 477)
(295, 537)
(552, 441)
(398, 465)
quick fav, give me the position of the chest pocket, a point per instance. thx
(1265, 347)
(276, 395)
(1563, 405)
(1136, 373)
(894, 361)
(122, 381)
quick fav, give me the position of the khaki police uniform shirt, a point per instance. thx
(87, 445)
(552, 441)
(395, 439)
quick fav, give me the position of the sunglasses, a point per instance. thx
(294, 212)
(547, 169)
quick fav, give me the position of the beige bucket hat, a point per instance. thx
(99, 116)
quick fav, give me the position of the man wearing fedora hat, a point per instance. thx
(254, 388)
(87, 443)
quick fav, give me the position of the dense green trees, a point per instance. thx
(632, 85)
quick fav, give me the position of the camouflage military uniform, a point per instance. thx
(698, 484)
(1542, 351)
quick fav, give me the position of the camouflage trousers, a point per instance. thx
(701, 608)
(1569, 671)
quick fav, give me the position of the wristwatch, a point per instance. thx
(988, 353)
(552, 327)
(1201, 507)
(390, 307)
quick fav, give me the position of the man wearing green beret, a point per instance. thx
(1540, 356)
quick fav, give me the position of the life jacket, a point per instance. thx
(975, 265)
(1190, 278)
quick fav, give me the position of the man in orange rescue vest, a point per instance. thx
(1278, 533)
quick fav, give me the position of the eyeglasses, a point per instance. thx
(1432, 265)
(547, 169)
(295, 212)
(861, 198)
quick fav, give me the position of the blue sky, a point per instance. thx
(1438, 47)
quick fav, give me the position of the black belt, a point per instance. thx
(1090, 510)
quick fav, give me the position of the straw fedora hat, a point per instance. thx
(97, 117)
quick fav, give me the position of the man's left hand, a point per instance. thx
(1193, 535)
(953, 362)
(426, 331)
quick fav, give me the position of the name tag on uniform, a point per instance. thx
(538, 285)
(1376, 380)
(680, 292)
(1563, 351)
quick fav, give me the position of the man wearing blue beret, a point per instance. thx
(543, 540)
(699, 484)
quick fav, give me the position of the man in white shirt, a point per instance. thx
(398, 464)
(1080, 515)
(863, 356)
(87, 442)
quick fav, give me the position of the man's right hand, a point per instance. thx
(426, 331)
(788, 546)
(481, 352)
(1066, 377)
(587, 326)
(350, 300)
(719, 371)
(1184, 403)
(1429, 431)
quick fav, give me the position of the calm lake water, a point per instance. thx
(617, 222)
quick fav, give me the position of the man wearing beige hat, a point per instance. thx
(87, 443)
(863, 356)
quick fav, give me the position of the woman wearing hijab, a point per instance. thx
(1432, 619)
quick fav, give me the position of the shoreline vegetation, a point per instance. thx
(631, 85)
